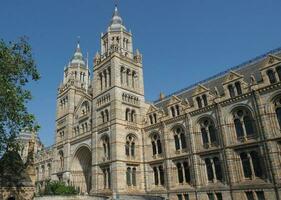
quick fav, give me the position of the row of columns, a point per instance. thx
(128, 77)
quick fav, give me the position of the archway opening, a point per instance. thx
(81, 170)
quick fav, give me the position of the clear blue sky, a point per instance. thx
(182, 41)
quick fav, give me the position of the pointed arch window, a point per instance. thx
(183, 172)
(244, 123)
(208, 131)
(238, 88)
(130, 146)
(271, 76)
(214, 169)
(180, 139)
(218, 168)
(199, 102)
(246, 165)
(156, 144)
(106, 147)
(231, 91)
(252, 164)
(205, 101)
(131, 176)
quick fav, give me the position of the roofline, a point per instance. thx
(240, 66)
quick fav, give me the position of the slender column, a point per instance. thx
(214, 171)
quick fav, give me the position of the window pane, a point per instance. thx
(209, 169)
(204, 136)
(212, 132)
(271, 76)
(179, 197)
(218, 168)
(153, 148)
(238, 128)
(183, 141)
(128, 176)
(134, 181)
(162, 178)
(278, 113)
(260, 195)
(177, 142)
(159, 146)
(278, 69)
(248, 125)
(238, 88)
(155, 176)
(180, 174)
(219, 196)
(204, 97)
(187, 172)
(250, 196)
(127, 148)
(186, 197)
(133, 149)
(246, 165)
(211, 196)
(256, 163)
(231, 91)
(199, 102)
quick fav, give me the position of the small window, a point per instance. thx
(205, 101)
(238, 88)
(199, 102)
(271, 76)
(231, 91)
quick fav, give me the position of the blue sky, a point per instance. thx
(182, 41)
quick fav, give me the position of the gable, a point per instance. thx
(232, 76)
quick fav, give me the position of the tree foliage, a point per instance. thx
(58, 188)
(17, 68)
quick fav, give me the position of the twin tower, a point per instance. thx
(99, 120)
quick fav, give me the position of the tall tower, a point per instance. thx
(118, 102)
(73, 92)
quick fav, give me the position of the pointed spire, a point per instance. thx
(78, 56)
(116, 21)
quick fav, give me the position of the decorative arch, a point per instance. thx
(81, 169)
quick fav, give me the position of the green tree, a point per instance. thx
(17, 68)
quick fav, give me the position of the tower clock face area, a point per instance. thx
(217, 139)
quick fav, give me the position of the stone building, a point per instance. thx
(217, 139)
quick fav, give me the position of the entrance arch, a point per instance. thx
(81, 170)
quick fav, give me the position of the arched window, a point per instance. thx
(61, 160)
(156, 144)
(244, 124)
(178, 109)
(130, 146)
(151, 119)
(179, 136)
(218, 168)
(133, 114)
(155, 118)
(106, 147)
(199, 102)
(246, 165)
(278, 70)
(231, 91)
(205, 101)
(238, 88)
(127, 114)
(209, 169)
(106, 115)
(173, 111)
(208, 131)
(271, 76)
(183, 172)
(277, 105)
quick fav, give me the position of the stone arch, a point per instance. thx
(81, 169)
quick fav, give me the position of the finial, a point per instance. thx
(78, 41)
